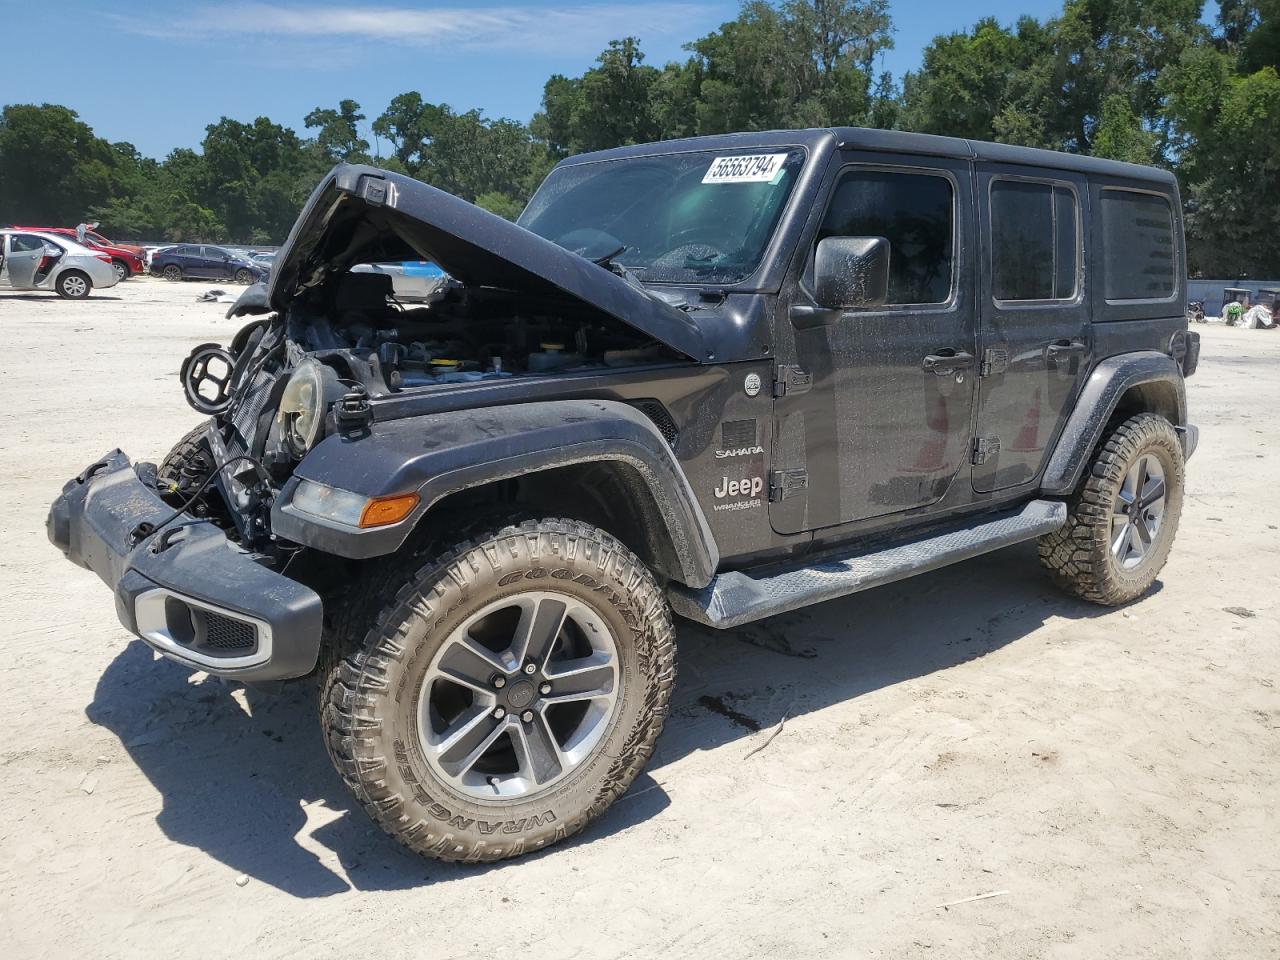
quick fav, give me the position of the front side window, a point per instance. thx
(701, 217)
(915, 213)
(1034, 241)
(1138, 246)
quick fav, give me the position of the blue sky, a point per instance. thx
(158, 73)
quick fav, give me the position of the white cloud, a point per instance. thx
(556, 29)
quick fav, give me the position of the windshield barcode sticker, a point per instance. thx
(756, 168)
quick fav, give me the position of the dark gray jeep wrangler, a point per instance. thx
(724, 377)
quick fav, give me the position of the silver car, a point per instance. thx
(33, 260)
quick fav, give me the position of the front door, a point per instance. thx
(879, 419)
(23, 257)
(1035, 318)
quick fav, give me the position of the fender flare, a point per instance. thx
(1097, 401)
(448, 452)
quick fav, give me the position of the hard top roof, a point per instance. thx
(891, 141)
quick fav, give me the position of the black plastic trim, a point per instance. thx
(94, 521)
(1110, 379)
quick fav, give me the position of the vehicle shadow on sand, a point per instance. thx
(244, 784)
(43, 297)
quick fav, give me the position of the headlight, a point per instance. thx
(351, 509)
(302, 407)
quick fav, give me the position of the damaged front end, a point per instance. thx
(197, 550)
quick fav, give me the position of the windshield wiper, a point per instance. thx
(607, 259)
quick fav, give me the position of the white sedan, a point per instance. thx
(33, 260)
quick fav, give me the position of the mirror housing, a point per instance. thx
(851, 272)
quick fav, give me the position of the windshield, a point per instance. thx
(701, 217)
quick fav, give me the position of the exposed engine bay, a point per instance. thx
(286, 381)
(463, 334)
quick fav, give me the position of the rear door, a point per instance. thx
(1034, 327)
(205, 264)
(881, 421)
(187, 258)
(22, 259)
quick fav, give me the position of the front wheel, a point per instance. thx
(497, 699)
(244, 276)
(1122, 520)
(121, 270)
(73, 285)
(173, 272)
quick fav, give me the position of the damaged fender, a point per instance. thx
(469, 448)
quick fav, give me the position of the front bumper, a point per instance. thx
(186, 590)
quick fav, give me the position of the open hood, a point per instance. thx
(361, 214)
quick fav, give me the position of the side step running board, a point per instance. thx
(735, 598)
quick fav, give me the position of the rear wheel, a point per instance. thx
(501, 696)
(121, 270)
(1122, 520)
(73, 285)
(172, 272)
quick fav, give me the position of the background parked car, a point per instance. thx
(202, 261)
(37, 260)
(126, 259)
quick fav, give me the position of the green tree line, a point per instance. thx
(1147, 81)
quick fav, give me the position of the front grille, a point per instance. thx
(224, 633)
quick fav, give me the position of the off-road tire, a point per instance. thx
(1078, 556)
(399, 615)
(185, 452)
(172, 272)
(70, 291)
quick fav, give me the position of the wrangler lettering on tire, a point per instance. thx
(503, 694)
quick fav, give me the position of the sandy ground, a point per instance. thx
(1114, 775)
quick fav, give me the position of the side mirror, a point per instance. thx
(850, 272)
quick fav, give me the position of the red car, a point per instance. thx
(126, 259)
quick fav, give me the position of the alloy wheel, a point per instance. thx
(75, 286)
(519, 696)
(122, 272)
(1138, 511)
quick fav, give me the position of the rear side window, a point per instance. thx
(1035, 241)
(915, 213)
(26, 243)
(1137, 245)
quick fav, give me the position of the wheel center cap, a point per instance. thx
(521, 694)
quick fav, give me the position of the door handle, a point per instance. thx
(946, 362)
(1064, 348)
